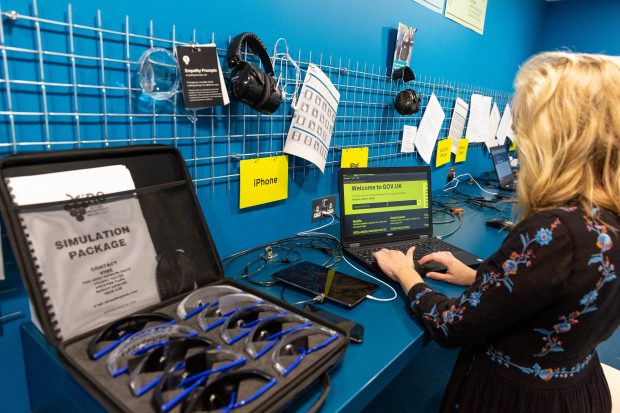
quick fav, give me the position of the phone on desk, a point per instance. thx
(355, 330)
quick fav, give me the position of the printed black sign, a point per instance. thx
(201, 77)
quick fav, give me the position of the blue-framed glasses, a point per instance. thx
(112, 335)
(230, 391)
(240, 323)
(142, 342)
(181, 380)
(146, 370)
(200, 299)
(294, 347)
(216, 314)
(267, 333)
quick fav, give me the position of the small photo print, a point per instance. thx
(404, 45)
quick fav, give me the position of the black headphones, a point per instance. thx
(250, 84)
(407, 102)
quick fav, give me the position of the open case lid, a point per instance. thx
(172, 217)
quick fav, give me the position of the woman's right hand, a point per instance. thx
(457, 272)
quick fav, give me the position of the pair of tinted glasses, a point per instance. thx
(216, 314)
(294, 347)
(180, 380)
(267, 333)
(240, 323)
(142, 342)
(112, 335)
(200, 299)
(229, 391)
(145, 371)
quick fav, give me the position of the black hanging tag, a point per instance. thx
(201, 77)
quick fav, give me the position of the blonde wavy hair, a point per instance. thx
(566, 112)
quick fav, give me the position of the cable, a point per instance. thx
(284, 57)
(458, 181)
(313, 231)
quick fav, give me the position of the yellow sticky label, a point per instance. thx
(461, 150)
(354, 158)
(263, 180)
(514, 144)
(444, 149)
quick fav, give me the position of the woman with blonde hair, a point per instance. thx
(534, 312)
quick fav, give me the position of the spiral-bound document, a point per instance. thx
(94, 255)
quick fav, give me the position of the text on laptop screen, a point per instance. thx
(386, 203)
(502, 164)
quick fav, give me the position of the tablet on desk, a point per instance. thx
(336, 286)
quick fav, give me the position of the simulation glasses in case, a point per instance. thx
(186, 339)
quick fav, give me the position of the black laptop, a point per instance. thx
(390, 208)
(501, 161)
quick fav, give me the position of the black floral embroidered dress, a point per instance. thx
(530, 323)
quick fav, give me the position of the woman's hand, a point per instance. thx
(398, 266)
(457, 273)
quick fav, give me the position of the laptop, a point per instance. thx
(501, 161)
(390, 207)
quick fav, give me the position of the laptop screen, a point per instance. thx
(499, 154)
(384, 204)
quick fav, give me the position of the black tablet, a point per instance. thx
(336, 286)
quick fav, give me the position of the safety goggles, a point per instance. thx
(142, 342)
(180, 380)
(112, 335)
(240, 323)
(216, 314)
(230, 391)
(202, 298)
(267, 333)
(294, 347)
(146, 370)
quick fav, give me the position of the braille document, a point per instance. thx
(505, 126)
(494, 119)
(457, 124)
(479, 118)
(429, 128)
(311, 129)
(94, 255)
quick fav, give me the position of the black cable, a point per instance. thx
(325, 381)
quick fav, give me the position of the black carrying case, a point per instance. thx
(175, 221)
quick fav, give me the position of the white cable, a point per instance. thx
(313, 232)
(282, 58)
(456, 178)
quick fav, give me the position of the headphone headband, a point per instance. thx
(256, 46)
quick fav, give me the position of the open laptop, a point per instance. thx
(390, 208)
(501, 161)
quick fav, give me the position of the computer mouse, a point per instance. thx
(432, 266)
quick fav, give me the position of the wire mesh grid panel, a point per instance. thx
(65, 84)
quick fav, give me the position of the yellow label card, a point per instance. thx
(263, 180)
(461, 150)
(444, 149)
(354, 158)
(514, 144)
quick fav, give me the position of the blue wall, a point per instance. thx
(582, 26)
(355, 30)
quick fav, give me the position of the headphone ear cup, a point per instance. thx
(407, 102)
(266, 90)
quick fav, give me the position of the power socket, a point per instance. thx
(451, 174)
(319, 205)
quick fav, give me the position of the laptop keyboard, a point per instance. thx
(422, 248)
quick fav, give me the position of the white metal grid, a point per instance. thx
(69, 85)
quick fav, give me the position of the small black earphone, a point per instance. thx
(251, 85)
(407, 102)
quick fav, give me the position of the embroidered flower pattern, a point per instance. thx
(588, 302)
(492, 279)
(536, 370)
(419, 295)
